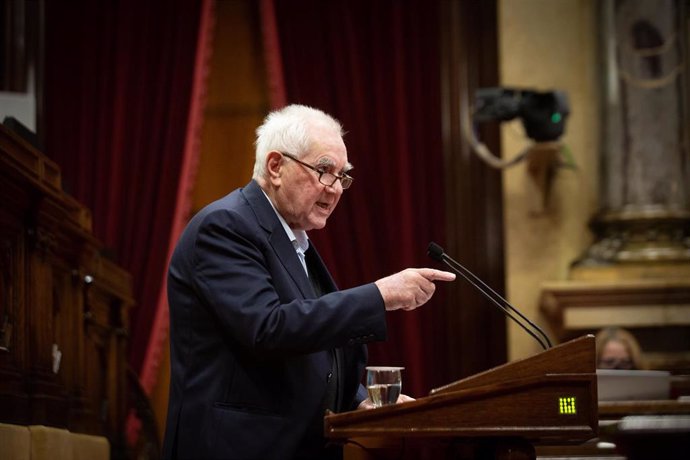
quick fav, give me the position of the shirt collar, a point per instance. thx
(298, 238)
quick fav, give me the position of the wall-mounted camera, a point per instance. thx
(543, 116)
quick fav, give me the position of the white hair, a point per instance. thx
(287, 130)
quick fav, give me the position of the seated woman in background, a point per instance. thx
(617, 349)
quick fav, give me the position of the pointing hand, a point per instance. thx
(410, 288)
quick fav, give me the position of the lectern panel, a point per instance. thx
(551, 408)
(540, 404)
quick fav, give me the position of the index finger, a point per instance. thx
(436, 275)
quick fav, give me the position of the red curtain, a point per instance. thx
(375, 67)
(119, 78)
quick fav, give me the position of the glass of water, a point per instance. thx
(384, 384)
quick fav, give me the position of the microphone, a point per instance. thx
(437, 253)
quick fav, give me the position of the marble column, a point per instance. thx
(645, 184)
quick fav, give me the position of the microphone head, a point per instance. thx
(435, 252)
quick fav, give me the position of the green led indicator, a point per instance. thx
(567, 405)
(556, 117)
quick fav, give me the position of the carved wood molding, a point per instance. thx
(658, 305)
(63, 307)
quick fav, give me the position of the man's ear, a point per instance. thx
(274, 167)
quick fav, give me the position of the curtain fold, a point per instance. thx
(185, 188)
(121, 79)
(375, 67)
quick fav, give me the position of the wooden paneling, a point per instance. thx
(474, 212)
(63, 308)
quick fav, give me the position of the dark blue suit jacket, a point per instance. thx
(250, 343)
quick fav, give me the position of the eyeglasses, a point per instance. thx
(325, 177)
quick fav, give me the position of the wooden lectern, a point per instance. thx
(548, 398)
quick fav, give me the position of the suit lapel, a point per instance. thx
(287, 255)
(315, 264)
(277, 237)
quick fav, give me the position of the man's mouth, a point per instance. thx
(324, 206)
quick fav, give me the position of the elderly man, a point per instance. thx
(262, 341)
